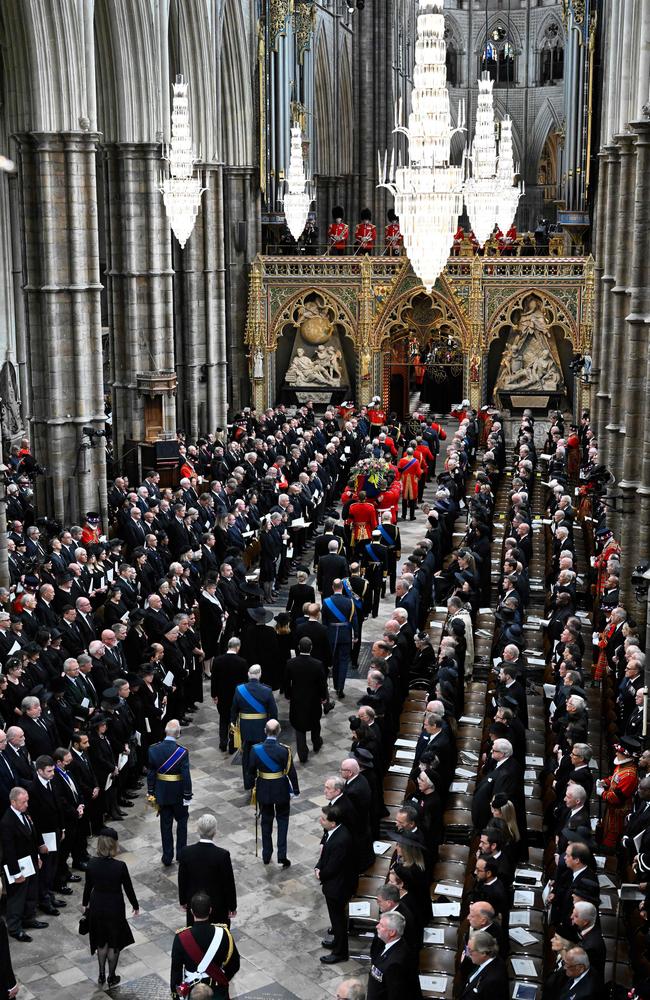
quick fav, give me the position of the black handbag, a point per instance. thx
(84, 926)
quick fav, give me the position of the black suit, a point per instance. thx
(305, 685)
(46, 810)
(320, 648)
(204, 867)
(39, 738)
(393, 976)
(338, 879)
(491, 982)
(20, 764)
(18, 841)
(8, 780)
(228, 671)
(330, 568)
(507, 778)
(586, 989)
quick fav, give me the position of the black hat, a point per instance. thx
(337, 212)
(57, 685)
(365, 757)
(152, 502)
(391, 215)
(365, 215)
(282, 618)
(507, 701)
(110, 696)
(261, 616)
(630, 744)
(55, 634)
(514, 631)
(65, 577)
(581, 835)
(97, 719)
(249, 589)
(108, 831)
(115, 543)
(302, 568)
(463, 577)
(137, 615)
(457, 625)
(146, 669)
(92, 515)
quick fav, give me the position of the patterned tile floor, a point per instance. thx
(281, 914)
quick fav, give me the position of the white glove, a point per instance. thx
(186, 802)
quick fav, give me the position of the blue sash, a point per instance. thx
(169, 763)
(253, 702)
(335, 610)
(390, 541)
(356, 600)
(269, 764)
(408, 466)
(371, 552)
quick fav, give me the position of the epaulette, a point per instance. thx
(180, 930)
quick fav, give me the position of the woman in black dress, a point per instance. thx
(103, 901)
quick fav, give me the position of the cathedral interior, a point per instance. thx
(126, 329)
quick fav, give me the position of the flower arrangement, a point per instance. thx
(374, 475)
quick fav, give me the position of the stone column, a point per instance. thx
(622, 223)
(608, 356)
(598, 348)
(639, 322)
(139, 280)
(61, 267)
(201, 357)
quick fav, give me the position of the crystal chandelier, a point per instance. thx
(481, 189)
(508, 192)
(428, 191)
(181, 191)
(297, 198)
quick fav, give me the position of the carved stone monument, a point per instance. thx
(317, 362)
(530, 361)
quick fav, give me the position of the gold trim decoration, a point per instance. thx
(278, 14)
(304, 25)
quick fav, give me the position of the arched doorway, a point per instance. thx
(422, 340)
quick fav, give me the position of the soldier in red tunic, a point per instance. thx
(409, 470)
(365, 235)
(376, 415)
(362, 518)
(338, 232)
(618, 790)
(393, 239)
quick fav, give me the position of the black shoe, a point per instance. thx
(101, 980)
(303, 760)
(59, 903)
(328, 943)
(317, 746)
(64, 890)
(333, 959)
(36, 925)
(117, 817)
(73, 878)
(267, 861)
(167, 864)
(80, 866)
(284, 862)
(328, 706)
(21, 936)
(51, 911)
(184, 721)
(126, 803)
(341, 693)
(113, 981)
(223, 748)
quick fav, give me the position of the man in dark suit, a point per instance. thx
(393, 968)
(86, 781)
(20, 840)
(590, 937)
(489, 887)
(228, 671)
(170, 783)
(71, 638)
(17, 755)
(305, 687)
(489, 977)
(46, 811)
(271, 769)
(40, 736)
(204, 867)
(330, 567)
(336, 872)
(581, 983)
(8, 777)
(314, 629)
(507, 777)
(321, 543)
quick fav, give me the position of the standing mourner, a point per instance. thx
(103, 901)
(169, 783)
(271, 768)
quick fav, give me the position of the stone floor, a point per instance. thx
(281, 914)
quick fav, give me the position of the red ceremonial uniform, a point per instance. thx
(419, 371)
(409, 470)
(90, 535)
(612, 550)
(424, 457)
(362, 518)
(376, 416)
(365, 236)
(393, 239)
(337, 236)
(390, 444)
(617, 796)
